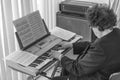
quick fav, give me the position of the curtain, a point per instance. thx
(48, 12)
(9, 11)
(115, 5)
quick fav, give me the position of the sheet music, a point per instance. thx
(30, 28)
(62, 33)
(22, 57)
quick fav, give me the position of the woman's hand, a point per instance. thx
(55, 54)
(65, 45)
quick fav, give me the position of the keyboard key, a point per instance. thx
(56, 47)
(46, 55)
(43, 63)
(33, 65)
(38, 61)
(42, 58)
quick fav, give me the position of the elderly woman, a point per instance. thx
(99, 59)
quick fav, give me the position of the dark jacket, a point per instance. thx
(99, 60)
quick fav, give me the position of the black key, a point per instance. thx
(33, 65)
(42, 58)
(56, 47)
(46, 54)
(38, 61)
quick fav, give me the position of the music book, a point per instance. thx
(19, 60)
(63, 33)
(22, 57)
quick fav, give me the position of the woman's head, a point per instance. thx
(101, 17)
